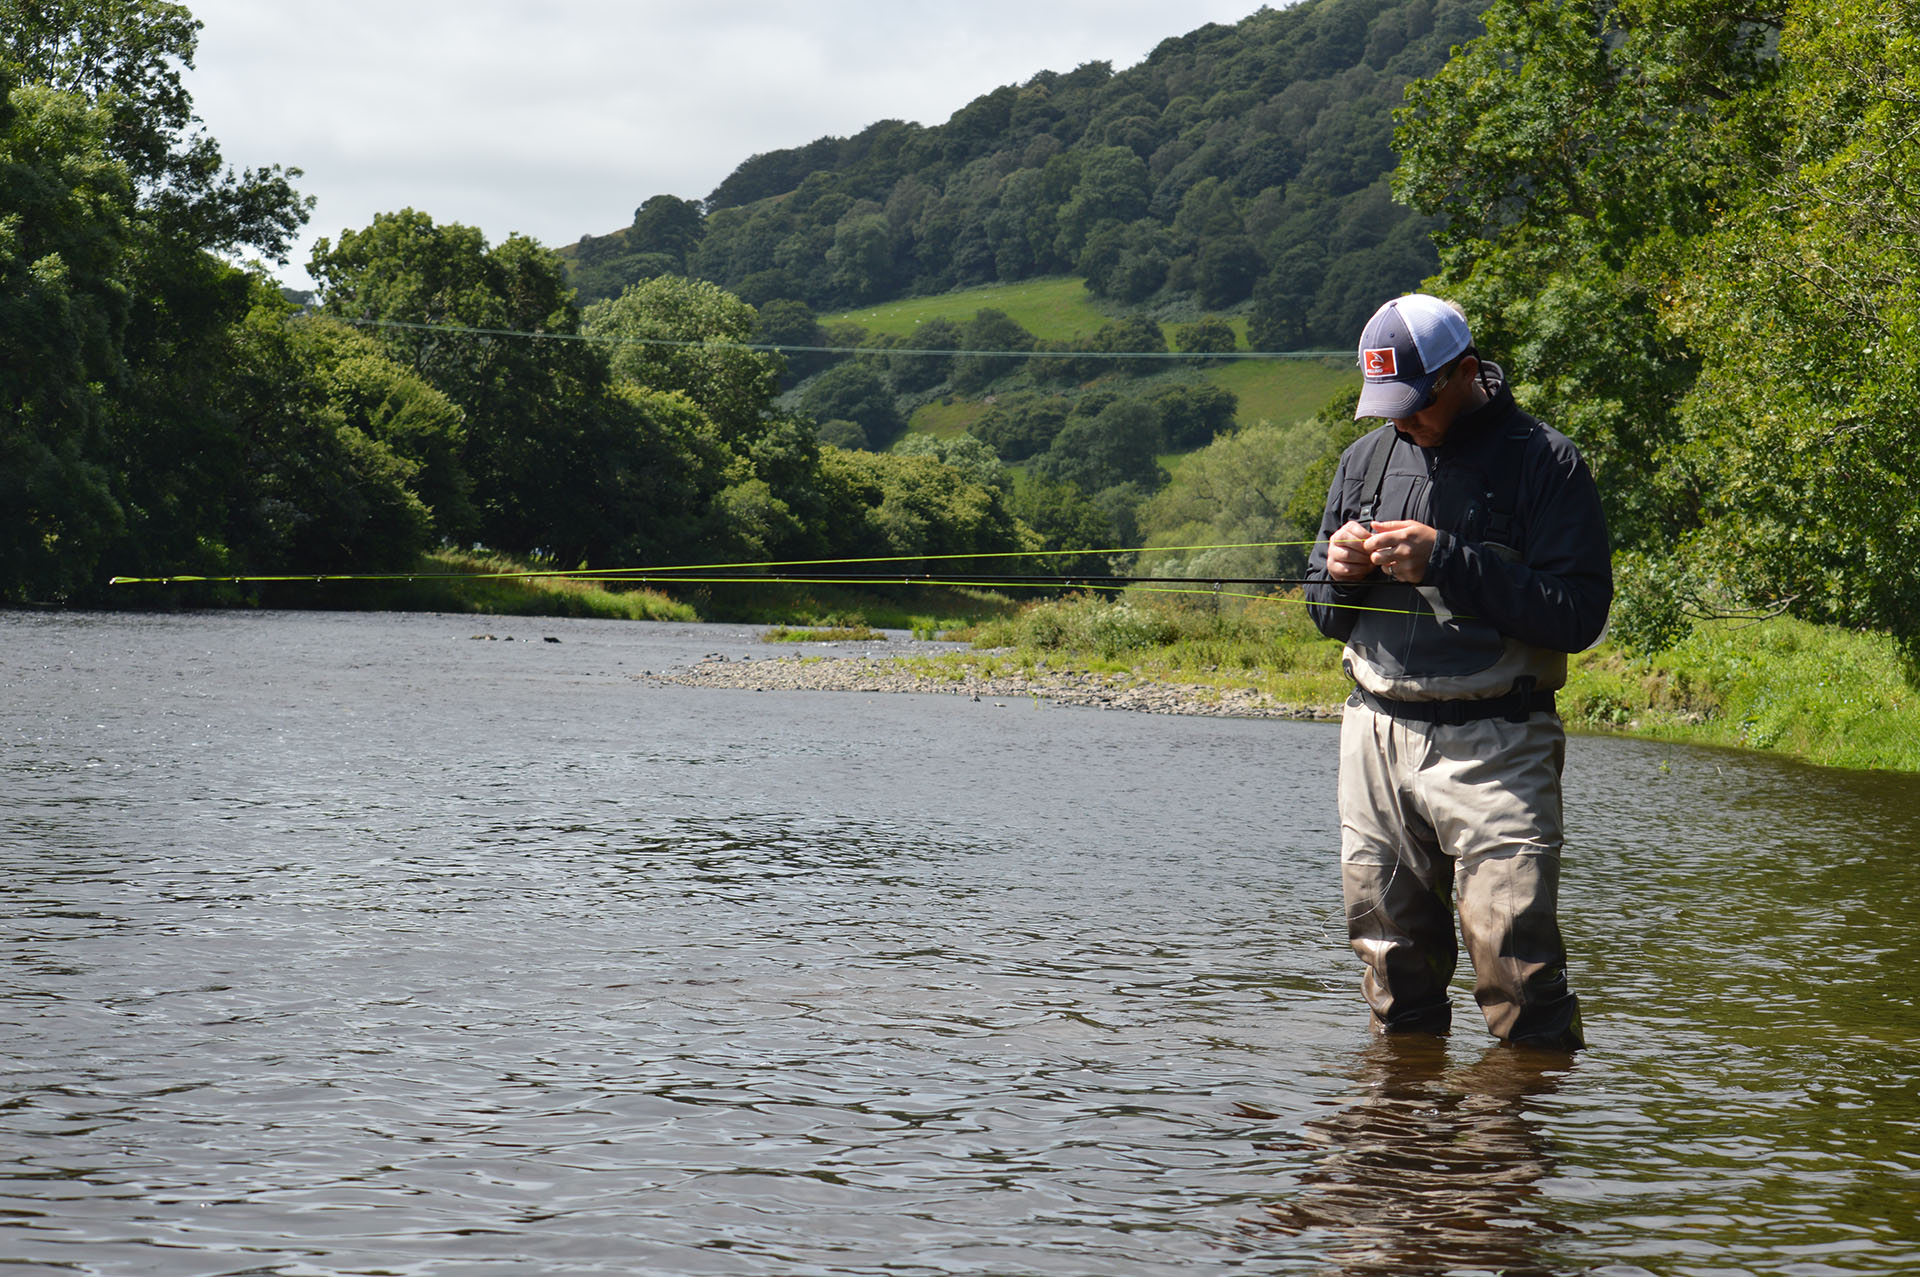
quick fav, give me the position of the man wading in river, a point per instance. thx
(1462, 555)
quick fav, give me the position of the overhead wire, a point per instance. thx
(777, 348)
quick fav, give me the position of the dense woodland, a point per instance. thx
(1243, 166)
(1690, 229)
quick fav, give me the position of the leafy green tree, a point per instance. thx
(689, 335)
(988, 333)
(1803, 303)
(1205, 337)
(63, 312)
(1236, 494)
(668, 226)
(1566, 149)
(1192, 414)
(1117, 445)
(128, 212)
(972, 458)
(785, 322)
(1130, 334)
(320, 493)
(858, 393)
(1065, 519)
(923, 372)
(893, 506)
(471, 319)
(1226, 271)
(1022, 425)
(368, 392)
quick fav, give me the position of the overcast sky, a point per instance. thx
(556, 118)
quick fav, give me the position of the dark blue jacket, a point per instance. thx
(1488, 609)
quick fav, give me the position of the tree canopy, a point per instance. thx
(1237, 166)
(1692, 227)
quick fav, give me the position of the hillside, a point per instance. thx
(1238, 169)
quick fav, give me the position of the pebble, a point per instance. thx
(883, 674)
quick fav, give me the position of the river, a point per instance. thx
(370, 944)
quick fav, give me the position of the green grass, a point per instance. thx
(1058, 308)
(1830, 696)
(947, 420)
(1833, 697)
(1266, 645)
(1282, 390)
(823, 634)
(490, 584)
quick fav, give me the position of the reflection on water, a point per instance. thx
(347, 944)
(1431, 1169)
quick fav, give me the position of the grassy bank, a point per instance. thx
(1827, 696)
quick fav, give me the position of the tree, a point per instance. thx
(898, 506)
(62, 319)
(1205, 337)
(119, 216)
(988, 333)
(320, 493)
(923, 372)
(1233, 495)
(972, 458)
(1226, 271)
(689, 335)
(1566, 150)
(1192, 414)
(1066, 519)
(669, 226)
(1021, 426)
(494, 329)
(855, 392)
(1803, 302)
(1117, 445)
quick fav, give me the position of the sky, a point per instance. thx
(557, 118)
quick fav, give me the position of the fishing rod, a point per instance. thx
(771, 572)
(1087, 580)
(661, 570)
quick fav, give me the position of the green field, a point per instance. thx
(1054, 309)
(1283, 390)
(1061, 309)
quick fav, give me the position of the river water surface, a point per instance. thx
(360, 944)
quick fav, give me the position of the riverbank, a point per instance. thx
(1831, 697)
(963, 674)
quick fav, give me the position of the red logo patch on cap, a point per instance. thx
(1378, 363)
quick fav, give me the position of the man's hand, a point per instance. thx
(1347, 558)
(1400, 548)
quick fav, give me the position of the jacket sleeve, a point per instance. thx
(1558, 595)
(1329, 603)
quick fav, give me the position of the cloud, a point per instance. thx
(557, 119)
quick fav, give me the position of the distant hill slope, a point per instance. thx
(1236, 168)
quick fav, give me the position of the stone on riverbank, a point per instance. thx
(883, 674)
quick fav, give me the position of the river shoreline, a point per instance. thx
(892, 674)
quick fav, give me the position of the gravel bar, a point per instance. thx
(887, 674)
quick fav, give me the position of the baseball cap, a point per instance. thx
(1402, 350)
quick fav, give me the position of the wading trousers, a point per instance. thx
(1439, 816)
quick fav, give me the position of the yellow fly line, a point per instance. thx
(618, 574)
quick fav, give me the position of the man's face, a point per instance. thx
(1428, 427)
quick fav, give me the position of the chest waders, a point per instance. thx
(1455, 805)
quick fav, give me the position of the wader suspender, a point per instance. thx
(1376, 477)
